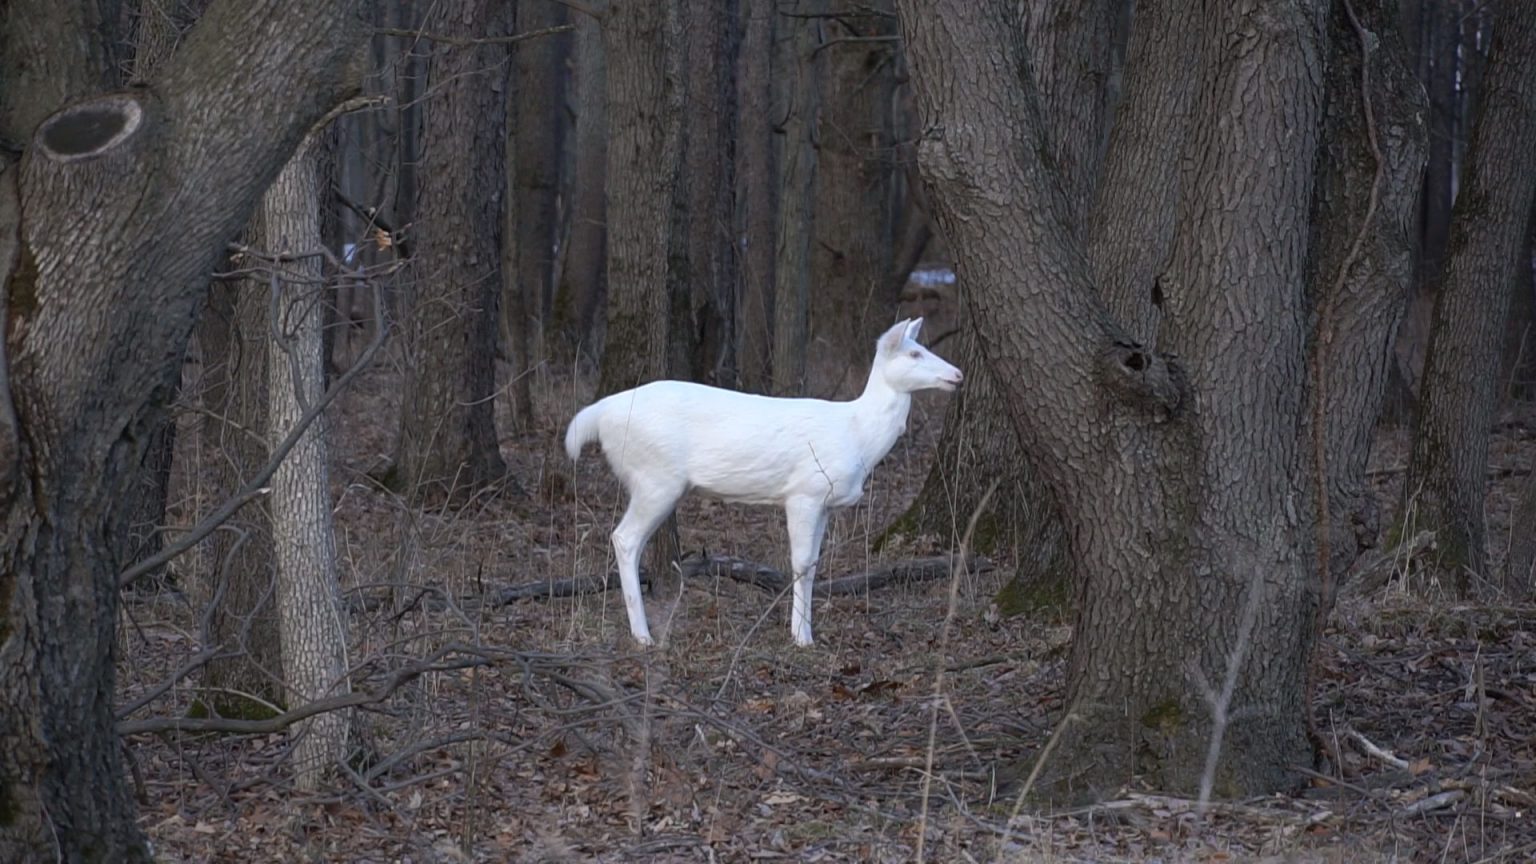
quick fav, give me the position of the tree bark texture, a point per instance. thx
(533, 157)
(583, 280)
(704, 301)
(645, 93)
(1361, 270)
(1518, 375)
(110, 229)
(1176, 471)
(1070, 60)
(757, 200)
(1447, 472)
(448, 447)
(853, 300)
(244, 680)
(797, 93)
(308, 598)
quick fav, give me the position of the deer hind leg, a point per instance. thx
(807, 519)
(648, 507)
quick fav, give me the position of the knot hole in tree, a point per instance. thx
(88, 129)
(1148, 382)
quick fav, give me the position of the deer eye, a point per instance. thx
(915, 355)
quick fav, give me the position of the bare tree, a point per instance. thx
(797, 93)
(447, 445)
(111, 226)
(583, 276)
(1177, 449)
(1447, 472)
(533, 171)
(308, 598)
(756, 214)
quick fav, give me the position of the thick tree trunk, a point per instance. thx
(645, 93)
(797, 93)
(106, 263)
(533, 158)
(1070, 60)
(853, 300)
(1187, 548)
(447, 447)
(757, 208)
(308, 598)
(583, 281)
(1447, 472)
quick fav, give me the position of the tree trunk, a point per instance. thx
(645, 91)
(109, 229)
(797, 91)
(1070, 63)
(1519, 370)
(1447, 472)
(244, 680)
(448, 448)
(304, 547)
(1361, 270)
(706, 278)
(1186, 546)
(757, 201)
(584, 277)
(853, 300)
(533, 158)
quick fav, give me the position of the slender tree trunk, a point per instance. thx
(852, 302)
(244, 679)
(707, 277)
(537, 100)
(448, 447)
(757, 207)
(1447, 472)
(108, 231)
(1186, 545)
(797, 91)
(1361, 270)
(583, 280)
(308, 598)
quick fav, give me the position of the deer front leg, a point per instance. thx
(807, 519)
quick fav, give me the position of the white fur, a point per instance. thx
(808, 455)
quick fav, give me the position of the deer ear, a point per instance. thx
(891, 340)
(915, 325)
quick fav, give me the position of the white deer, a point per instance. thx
(808, 455)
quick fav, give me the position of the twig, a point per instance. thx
(256, 486)
(1371, 749)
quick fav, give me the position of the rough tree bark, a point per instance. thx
(244, 679)
(645, 94)
(308, 597)
(1177, 472)
(1070, 60)
(1447, 472)
(704, 277)
(1361, 270)
(853, 300)
(756, 213)
(447, 447)
(583, 278)
(536, 101)
(797, 91)
(110, 227)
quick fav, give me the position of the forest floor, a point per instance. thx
(888, 741)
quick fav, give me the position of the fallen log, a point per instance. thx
(769, 579)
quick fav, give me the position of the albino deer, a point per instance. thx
(808, 455)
